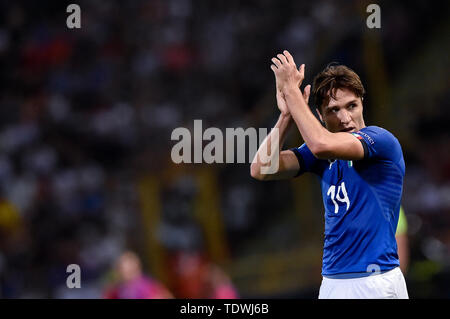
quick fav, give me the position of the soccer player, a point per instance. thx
(361, 169)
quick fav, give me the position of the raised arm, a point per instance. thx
(322, 143)
(288, 164)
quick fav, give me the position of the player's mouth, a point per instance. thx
(348, 129)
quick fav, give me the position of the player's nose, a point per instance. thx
(344, 117)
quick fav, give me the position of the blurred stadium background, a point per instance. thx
(86, 117)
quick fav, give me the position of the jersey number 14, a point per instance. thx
(336, 196)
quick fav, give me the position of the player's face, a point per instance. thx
(344, 113)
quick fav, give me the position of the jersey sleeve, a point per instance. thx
(379, 143)
(307, 161)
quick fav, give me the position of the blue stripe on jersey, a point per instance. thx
(362, 203)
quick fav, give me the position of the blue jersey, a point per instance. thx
(362, 203)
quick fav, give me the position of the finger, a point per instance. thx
(276, 62)
(306, 93)
(301, 69)
(282, 58)
(289, 57)
(274, 68)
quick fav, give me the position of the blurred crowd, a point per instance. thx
(86, 117)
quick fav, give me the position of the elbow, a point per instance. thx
(320, 150)
(322, 146)
(255, 172)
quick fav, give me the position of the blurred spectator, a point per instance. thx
(196, 277)
(219, 284)
(132, 283)
(10, 219)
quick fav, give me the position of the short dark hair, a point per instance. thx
(334, 77)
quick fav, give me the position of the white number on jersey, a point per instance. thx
(336, 195)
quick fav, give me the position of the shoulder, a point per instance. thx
(376, 131)
(378, 135)
(380, 142)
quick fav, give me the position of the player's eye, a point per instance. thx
(332, 110)
(352, 106)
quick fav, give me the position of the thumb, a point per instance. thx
(306, 93)
(301, 71)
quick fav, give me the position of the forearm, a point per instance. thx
(312, 131)
(268, 151)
